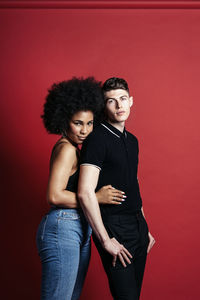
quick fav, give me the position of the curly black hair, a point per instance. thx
(66, 98)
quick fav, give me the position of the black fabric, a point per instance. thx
(132, 232)
(72, 184)
(116, 155)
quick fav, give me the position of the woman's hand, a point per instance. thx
(117, 250)
(109, 195)
(151, 242)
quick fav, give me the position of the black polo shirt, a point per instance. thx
(116, 155)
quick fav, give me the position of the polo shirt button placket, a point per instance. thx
(125, 141)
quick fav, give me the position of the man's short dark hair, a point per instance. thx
(115, 83)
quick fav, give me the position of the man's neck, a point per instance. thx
(117, 125)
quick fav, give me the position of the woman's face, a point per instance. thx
(80, 126)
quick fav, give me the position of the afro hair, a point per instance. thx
(66, 98)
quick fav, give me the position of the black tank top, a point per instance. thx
(72, 184)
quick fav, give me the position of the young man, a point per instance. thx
(110, 156)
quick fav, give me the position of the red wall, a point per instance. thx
(157, 51)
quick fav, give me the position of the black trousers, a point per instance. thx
(132, 232)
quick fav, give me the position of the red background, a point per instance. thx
(158, 52)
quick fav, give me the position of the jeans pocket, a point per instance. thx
(113, 231)
(43, 226)
(41, 232)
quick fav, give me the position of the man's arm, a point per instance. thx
(151, 238)
(88, 179)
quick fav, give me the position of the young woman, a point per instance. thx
(63, 237)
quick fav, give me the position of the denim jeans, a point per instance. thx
(63, 242)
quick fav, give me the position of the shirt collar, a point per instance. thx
(114, 130)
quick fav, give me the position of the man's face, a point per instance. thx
(118, 103)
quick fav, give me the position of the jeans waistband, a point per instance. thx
(75, 211)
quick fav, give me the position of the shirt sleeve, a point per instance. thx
(93, 151)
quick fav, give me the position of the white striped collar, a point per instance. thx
(110, 130)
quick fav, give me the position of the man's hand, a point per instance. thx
(151, 242)
(117, 250)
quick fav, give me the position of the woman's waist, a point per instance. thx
(64, 210)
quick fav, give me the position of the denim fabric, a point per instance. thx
(63, 242)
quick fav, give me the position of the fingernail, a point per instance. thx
(123, 200)
(124, 196)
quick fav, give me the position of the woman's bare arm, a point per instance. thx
(63, 161)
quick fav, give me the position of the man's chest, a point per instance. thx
(121, 156)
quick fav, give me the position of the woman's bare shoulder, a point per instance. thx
(64, 150)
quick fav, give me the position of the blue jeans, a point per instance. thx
(63, 242)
